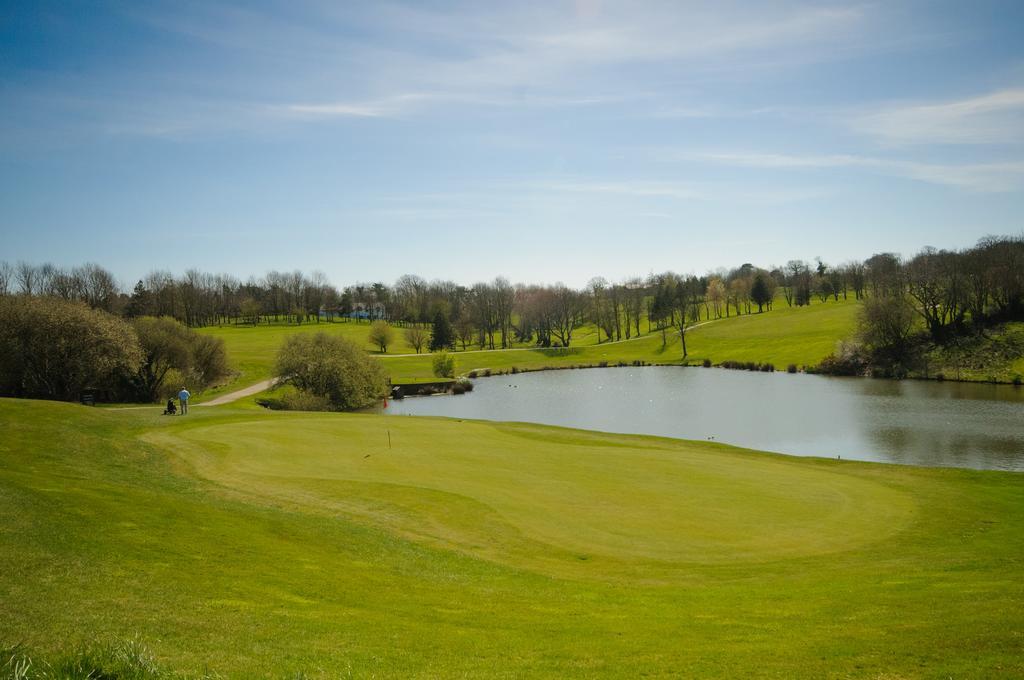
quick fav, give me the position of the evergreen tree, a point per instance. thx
(442, 337)
(140, 303)
(759, 292)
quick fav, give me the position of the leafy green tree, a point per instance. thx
(54, 349)
(442, 336)
(332, 368)
(382, 335)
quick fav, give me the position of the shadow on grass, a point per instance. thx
(561, 351)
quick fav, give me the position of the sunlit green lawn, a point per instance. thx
(797, 335)
(251, 349)
(259, 543)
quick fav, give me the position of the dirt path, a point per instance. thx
(235, 396)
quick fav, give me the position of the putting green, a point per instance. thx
(547, 499)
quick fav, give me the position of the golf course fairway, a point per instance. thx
(802, 336)
(265, 544)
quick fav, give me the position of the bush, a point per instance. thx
(1017, 380)
(209, 360)
(54, 349)
(172, 384)
(444, 365)
(461, 386)
(333, 368)
(707, 363)
(791, 368)
(848, 359)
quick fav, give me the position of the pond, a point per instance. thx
(912, 422)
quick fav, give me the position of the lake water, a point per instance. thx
(911, 422)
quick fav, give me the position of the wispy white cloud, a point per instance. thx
(980, 177)
(395, 60)
(993, 118)
(682, 191)
(400, 105)
(381, 108)
(674, 190)
(542, 47)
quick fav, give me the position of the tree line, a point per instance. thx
(489, 315)
(948, 289)
(936, 298)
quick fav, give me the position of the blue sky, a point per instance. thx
(542, 141)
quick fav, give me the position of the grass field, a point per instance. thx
(786, 335)
(252, 349)
(258, 544)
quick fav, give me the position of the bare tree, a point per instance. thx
(635, 294)
(567, 312)
(686, 298)
(417, 337)
(885, 326)
(464, 328)
(884, 274)
(799, 274)
(504, 302)
(6, 274)
(936, 283)
(600, 307)
(716, 295)
(27, 276)
(739, 291)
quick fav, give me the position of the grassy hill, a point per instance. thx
(258, 544)
(786, 335)
(996, 355)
